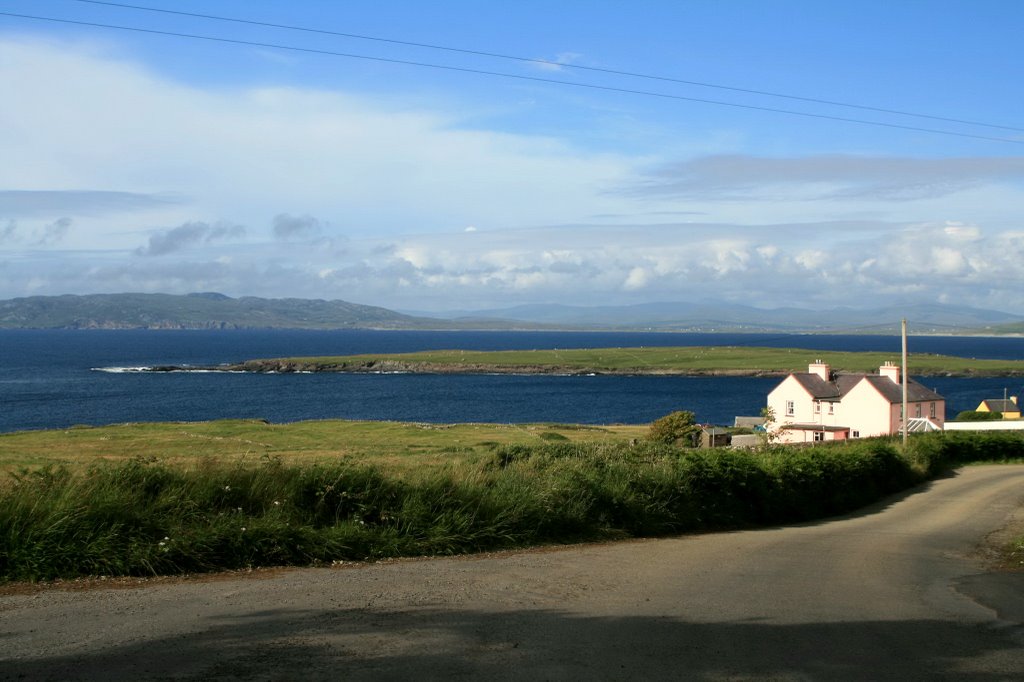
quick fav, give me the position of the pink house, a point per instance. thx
(823, 405)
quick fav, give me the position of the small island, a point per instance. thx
(671, 361)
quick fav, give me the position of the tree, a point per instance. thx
(768, 434)
(677, 427)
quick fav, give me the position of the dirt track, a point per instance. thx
(899, 591)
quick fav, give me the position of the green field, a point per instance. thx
(392, 445)
(694, 360)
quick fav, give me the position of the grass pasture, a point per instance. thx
(394, 446)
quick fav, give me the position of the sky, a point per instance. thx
(277, 162)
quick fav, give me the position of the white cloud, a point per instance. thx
(637, 279)
(960, 232)
(86, 117)
(767, 265)
(102, 155)
(557, 63)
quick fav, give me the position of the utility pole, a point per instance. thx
(903, 377)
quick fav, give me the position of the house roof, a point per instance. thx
(1001, 405)
(842, 384)
(893, 392)
(818, 387)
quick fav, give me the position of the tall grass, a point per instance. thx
(147, 517)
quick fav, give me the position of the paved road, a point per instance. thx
(896, 592)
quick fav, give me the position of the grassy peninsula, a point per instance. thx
(696, 360)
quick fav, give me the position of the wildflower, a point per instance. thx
(243, 529)
(276, 503)
(227, 487)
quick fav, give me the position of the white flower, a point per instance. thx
(227, 487)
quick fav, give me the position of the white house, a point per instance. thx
(823, 405)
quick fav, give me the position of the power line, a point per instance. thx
(499, 74)
(545, 62)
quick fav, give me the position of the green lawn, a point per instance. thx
(392, 445)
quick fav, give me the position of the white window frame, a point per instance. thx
(790, 408)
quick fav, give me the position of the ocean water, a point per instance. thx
(49, 379)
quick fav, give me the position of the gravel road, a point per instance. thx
(898, 591)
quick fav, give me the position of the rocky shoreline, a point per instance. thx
(401, 367)
(377, 366)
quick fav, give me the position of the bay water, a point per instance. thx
(60, 378)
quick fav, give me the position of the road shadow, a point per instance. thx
(430, 643)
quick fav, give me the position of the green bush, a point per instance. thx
(675, 428)
(145, 517)
(976, 416)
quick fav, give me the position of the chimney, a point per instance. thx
(890, 370)
(821, 369)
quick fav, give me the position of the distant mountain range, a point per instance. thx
(194, 311)
(727, 317)
(216, 311)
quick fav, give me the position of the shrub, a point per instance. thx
(976, 416)
(675, 428)
(145, 517)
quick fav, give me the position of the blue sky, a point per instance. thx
(144, 162)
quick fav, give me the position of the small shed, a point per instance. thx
(715, 437)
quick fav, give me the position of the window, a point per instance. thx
(817, 407)
(819, 436)
(790, 409)
(931, 411)
(917, 410)
(855, 434)
(831, 408)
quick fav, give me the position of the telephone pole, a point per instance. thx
(903, 376)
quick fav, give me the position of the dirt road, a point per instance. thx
(899, 591)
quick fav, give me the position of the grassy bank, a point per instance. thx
(678, 360)
(142, 516)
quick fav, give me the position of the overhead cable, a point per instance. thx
(549, 63)
(499, 74)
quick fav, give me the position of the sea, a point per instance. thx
(52, 379)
